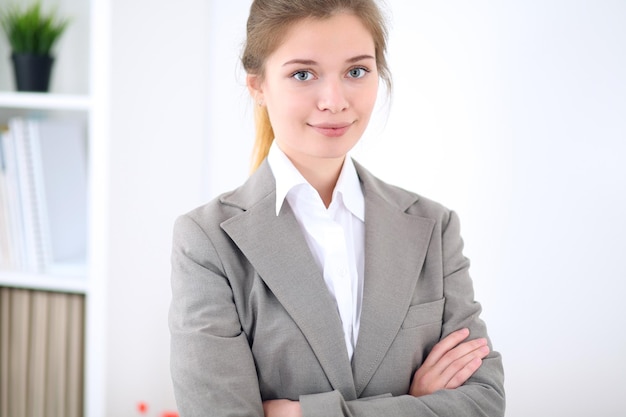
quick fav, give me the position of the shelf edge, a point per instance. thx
(44, 282)
(45, 101)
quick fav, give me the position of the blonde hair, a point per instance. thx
(268, 22)
(264, 136)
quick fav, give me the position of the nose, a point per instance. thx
(333, 97)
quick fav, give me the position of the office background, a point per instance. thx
(511, 113)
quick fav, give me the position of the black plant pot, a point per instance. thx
(32, 72)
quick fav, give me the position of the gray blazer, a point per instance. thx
(251, 318)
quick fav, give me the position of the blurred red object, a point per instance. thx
(142, 407)
(169, 414)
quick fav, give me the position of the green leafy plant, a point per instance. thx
(31, 30)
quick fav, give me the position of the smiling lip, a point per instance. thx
(331, 130)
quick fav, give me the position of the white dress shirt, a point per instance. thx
(335, 235)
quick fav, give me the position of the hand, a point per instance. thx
(282, 408)
(449, 364)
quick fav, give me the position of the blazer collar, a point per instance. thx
(294, 278)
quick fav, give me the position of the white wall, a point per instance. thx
(158, 170)
(511, 113)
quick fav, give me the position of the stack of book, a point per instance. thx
(43, 194)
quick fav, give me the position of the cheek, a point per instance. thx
(287, 111)
(284, 122)
(364, 99)
(372, 96)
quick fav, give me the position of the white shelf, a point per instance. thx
(44, 101)
(70, 279)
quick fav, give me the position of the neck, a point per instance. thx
(323, 176)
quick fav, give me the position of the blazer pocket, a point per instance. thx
(422, 314)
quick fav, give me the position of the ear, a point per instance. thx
(255, 88)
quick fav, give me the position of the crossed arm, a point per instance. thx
(450, 363)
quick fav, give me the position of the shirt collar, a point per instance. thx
(288, 177)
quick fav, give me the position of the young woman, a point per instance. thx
(315, 289)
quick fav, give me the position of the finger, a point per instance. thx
(458, 352)
(462, 350)
(449, 362)
(463, 375)
(464, 367)
(445, 345)
(456, 358)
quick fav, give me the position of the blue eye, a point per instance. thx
(302, 75)
(358, 72)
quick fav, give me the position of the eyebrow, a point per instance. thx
(311, 62)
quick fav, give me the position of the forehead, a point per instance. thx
(342, 35)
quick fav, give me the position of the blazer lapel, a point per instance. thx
(291, 273)
(389, 281)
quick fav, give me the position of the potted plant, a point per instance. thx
(31, 34)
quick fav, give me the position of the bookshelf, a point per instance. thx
(146, 112)
(78, 91)
(67, 276)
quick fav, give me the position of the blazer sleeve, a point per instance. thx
(481, 396)
(211, 363)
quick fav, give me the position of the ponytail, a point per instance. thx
(264, 136)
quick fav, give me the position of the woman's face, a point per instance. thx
(319, 86)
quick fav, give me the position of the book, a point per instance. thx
(5, 345)
(75, 355)
(43, 194)
(61, 183)
(20, 302)
(57, 355)
(30, 197)
(37, 348)
(41, 353)
(13, 200)
(6, 255)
